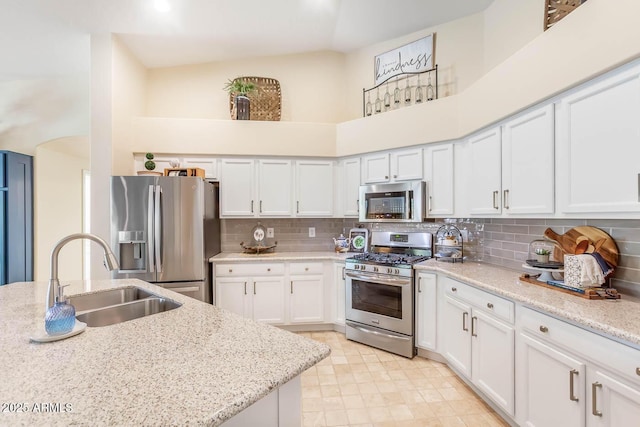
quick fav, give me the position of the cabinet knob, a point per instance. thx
(395, 176)
(454, 289)
(490, 306)
(230, 270)
(544, 329)
(386, 177)
(268, 269)
(637, 371)
(306, 269)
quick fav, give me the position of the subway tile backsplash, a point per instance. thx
(499, 241)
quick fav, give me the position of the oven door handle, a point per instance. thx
(372, 332)
(380, 280)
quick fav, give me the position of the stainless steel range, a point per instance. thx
(380, 290)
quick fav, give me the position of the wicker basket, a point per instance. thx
(265, 100)
(555, 10)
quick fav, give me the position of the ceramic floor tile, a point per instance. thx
(363, 386)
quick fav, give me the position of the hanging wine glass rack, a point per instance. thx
(412, 93)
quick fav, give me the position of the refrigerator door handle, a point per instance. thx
(158, 230)
(150, 233)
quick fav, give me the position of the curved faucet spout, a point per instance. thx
(110, 261)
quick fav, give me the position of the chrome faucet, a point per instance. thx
(110, 261)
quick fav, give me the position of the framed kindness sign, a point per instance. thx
(414, 57)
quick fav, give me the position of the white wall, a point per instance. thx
(58, 170)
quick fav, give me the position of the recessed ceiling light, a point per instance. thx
(162, 6)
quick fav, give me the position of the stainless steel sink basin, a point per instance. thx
(109, 297)
(127, 311)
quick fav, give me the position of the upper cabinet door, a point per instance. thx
(438, 172)
(314, 188)
(375, 168)
(274, 187)
(406, 165)
(350, 186)
(486, 175)
(599, 146)
(237, 187)
(528, 163)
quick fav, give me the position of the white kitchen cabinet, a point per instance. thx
(599, 145)
(349, 184)
(237, 188)
(426, 311)
(399, 165)
(528, 163)
(479, 340)
(340, 281)
(485, 177)
(254, 291)
(208, 164)
(314, 188)
(306, 292)
(612, 402)
(550, 385)
(274, 187)
(512, 166)
(248, 189)
(578, 377)
(438, 172)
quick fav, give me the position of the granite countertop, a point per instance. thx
(618, 319)
(281, 256)
(196, 364)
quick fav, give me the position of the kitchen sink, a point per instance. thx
(109, 297)
(126, 311)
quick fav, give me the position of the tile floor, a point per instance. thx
(359, 385)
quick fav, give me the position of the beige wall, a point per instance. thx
(508, 26)
(312, 85)
(128, 99)
(58, 204)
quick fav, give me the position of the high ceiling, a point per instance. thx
(51, 37)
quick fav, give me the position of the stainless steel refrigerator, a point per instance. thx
(164, 230)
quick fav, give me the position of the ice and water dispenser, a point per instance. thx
(132, 246)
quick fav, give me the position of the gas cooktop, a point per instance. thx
(387, 259)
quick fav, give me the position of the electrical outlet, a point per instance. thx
(270, 233)
(312, 232)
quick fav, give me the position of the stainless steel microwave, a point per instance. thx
(399, 202)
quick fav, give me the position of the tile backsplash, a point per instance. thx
(499, 241)
(506, 243)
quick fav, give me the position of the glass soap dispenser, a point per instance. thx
(60, 317)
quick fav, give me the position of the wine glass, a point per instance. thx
(430, 92)
(387, 99)
(407, 92)
(418, 91)
(396, 94)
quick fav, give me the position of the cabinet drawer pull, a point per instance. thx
(419, 284)
(490, 306)
(474, 319)
(464, 321)
(572, 374)
(495, 199)
(245, 288)
(297, 207)
(430, 203)
(252, 206)
(454, 289)
(254, 288)
(544, 329)
(505, 199)
(594, 400)
(637, 371)
(292, 287)
(260, 206)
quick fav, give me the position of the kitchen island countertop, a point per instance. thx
(618, 319)
(196, 364)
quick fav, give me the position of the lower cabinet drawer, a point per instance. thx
(305, 268)
(256, 269)
(485, 301)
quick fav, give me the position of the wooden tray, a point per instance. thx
(588, 292)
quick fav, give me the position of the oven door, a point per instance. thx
(385, 302)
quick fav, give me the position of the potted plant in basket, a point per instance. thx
(239, 89)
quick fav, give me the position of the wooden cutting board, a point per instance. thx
(606, 247)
